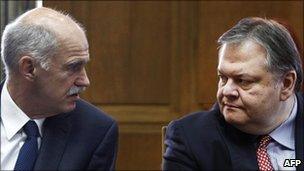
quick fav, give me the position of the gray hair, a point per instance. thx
(282, 52)
(27, 39)
(35, 40)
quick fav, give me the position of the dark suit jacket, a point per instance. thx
(82, 139)
(204, 141)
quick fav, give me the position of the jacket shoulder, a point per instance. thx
(88, 113)
(200, 119)
(197, 141)
(200, 127)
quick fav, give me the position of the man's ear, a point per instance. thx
(288, 81)
(27, 67)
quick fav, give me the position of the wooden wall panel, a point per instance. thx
(140, 151)
(155, 61)
(110, 49)
(131, 58)
(149, 40)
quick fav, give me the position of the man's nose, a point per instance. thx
(83, 79)
(230, 89)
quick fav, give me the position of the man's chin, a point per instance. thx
(234, 118)
(70, 103)
(69, 107)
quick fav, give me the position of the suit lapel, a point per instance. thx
(299, 137)
(241, 146)
(1, 86)
(242, 149)
(55, 135)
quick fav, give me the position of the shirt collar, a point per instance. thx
(285, 133)
(12, 117)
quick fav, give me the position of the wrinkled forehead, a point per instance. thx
(72, 51)
(247, 56)
(242, 51)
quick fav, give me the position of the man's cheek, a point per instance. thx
(219, 94)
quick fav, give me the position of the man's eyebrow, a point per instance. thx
(244, 75)
(77, 62)
(219, 71)
(238, 75)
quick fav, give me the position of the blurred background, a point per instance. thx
(155, 61)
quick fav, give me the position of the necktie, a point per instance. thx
(262, 156)
(29, 151)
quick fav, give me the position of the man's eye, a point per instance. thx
(74, 68)
(244, 83)
(222, 79)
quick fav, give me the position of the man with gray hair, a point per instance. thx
(258, 120)
(44, 123)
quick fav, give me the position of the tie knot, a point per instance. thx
(265, 140)
(31, 129)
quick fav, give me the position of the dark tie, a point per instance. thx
(29, 151)
(262, 155)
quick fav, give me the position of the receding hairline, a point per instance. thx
(55, 21)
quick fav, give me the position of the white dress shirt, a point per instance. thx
(12, 136)
(283, 144)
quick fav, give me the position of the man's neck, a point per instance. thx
(285, 111)
(22, 94)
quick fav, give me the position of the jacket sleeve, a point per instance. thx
(104, 157)
(177, 155)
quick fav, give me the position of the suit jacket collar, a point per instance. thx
(1, 86)
(241, 146)
(53, 144)
(299, 132)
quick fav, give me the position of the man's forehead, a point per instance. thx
(246, 58)
(237, 71)
(242, 51)
(73, 56)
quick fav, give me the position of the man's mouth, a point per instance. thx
(230, 105)
(75, 95)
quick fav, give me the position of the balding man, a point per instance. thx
(44, 123)
(258, 120)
